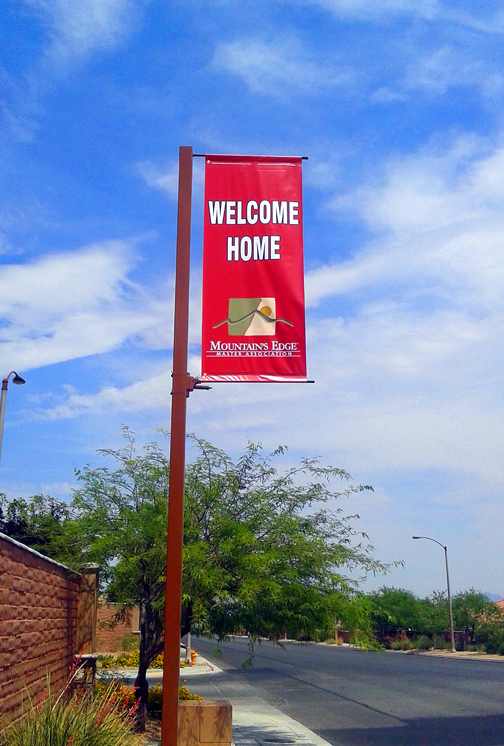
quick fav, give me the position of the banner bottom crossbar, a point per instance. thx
(248, 378)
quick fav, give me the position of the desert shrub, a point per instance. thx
(423, 643)
(127, 660)
(495, 645)
(475, 648)
(130, 642)
(124, 696)
(184, 693)
(155, 703)
(441, 644)
(401, 642)
(79, 720)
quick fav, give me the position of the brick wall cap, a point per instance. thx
(10, 540)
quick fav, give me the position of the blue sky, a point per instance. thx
(399, 107)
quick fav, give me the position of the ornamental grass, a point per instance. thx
(79, 720)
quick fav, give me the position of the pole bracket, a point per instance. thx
(195, 384)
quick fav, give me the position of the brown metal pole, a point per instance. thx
(171, 668)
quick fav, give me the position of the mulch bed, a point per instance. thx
(153, 728)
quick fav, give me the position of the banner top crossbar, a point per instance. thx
(213, 155)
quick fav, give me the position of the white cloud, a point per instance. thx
(165, 177)
(72, 30)
(369, 9)
(78, 27)
(158, 177)
(278, 66)
(151, 394)
(59, 490)
(440, 217)
(484, 19)
(73, 304)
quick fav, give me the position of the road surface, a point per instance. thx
(354, 698)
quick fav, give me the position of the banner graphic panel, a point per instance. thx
(253, 279)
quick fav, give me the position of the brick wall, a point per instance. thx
(113, 636)
(47, 615)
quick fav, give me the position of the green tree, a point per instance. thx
(38, 522)
(395, 609)
(255, 558)
(477, 615)
(435, 614)
(120, 521)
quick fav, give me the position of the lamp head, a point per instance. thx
(17, 379)
(416, 537)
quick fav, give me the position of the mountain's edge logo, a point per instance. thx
(249, 317)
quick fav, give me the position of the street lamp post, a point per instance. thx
(447, 585)
(3, 399)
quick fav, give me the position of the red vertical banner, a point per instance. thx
(253, 279)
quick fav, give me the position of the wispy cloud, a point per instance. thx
(70, 32)
(76, 28)
(165, 177)
(484, 18)
(440, 216)
(69, 305)
(159, 177)
(150, 394)
(372, 9)
(278, 66)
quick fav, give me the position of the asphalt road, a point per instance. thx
(354, 698)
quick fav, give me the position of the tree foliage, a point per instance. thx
(259, 552)
(477, 615)
(120, 520)
(396, 609)
(38, 522)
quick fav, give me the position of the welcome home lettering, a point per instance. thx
(257, 248)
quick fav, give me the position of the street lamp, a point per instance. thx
(5, 382)
(447, 585)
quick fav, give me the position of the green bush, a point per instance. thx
(423, 643)
(401, 642)
(124, 696)
(155, 703)
(495, 646)
(475, 648)
(130, 642)
(80, 720)
(127, 660)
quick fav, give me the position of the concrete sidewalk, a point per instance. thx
(255, 721)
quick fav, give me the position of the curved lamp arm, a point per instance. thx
(452, 633)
